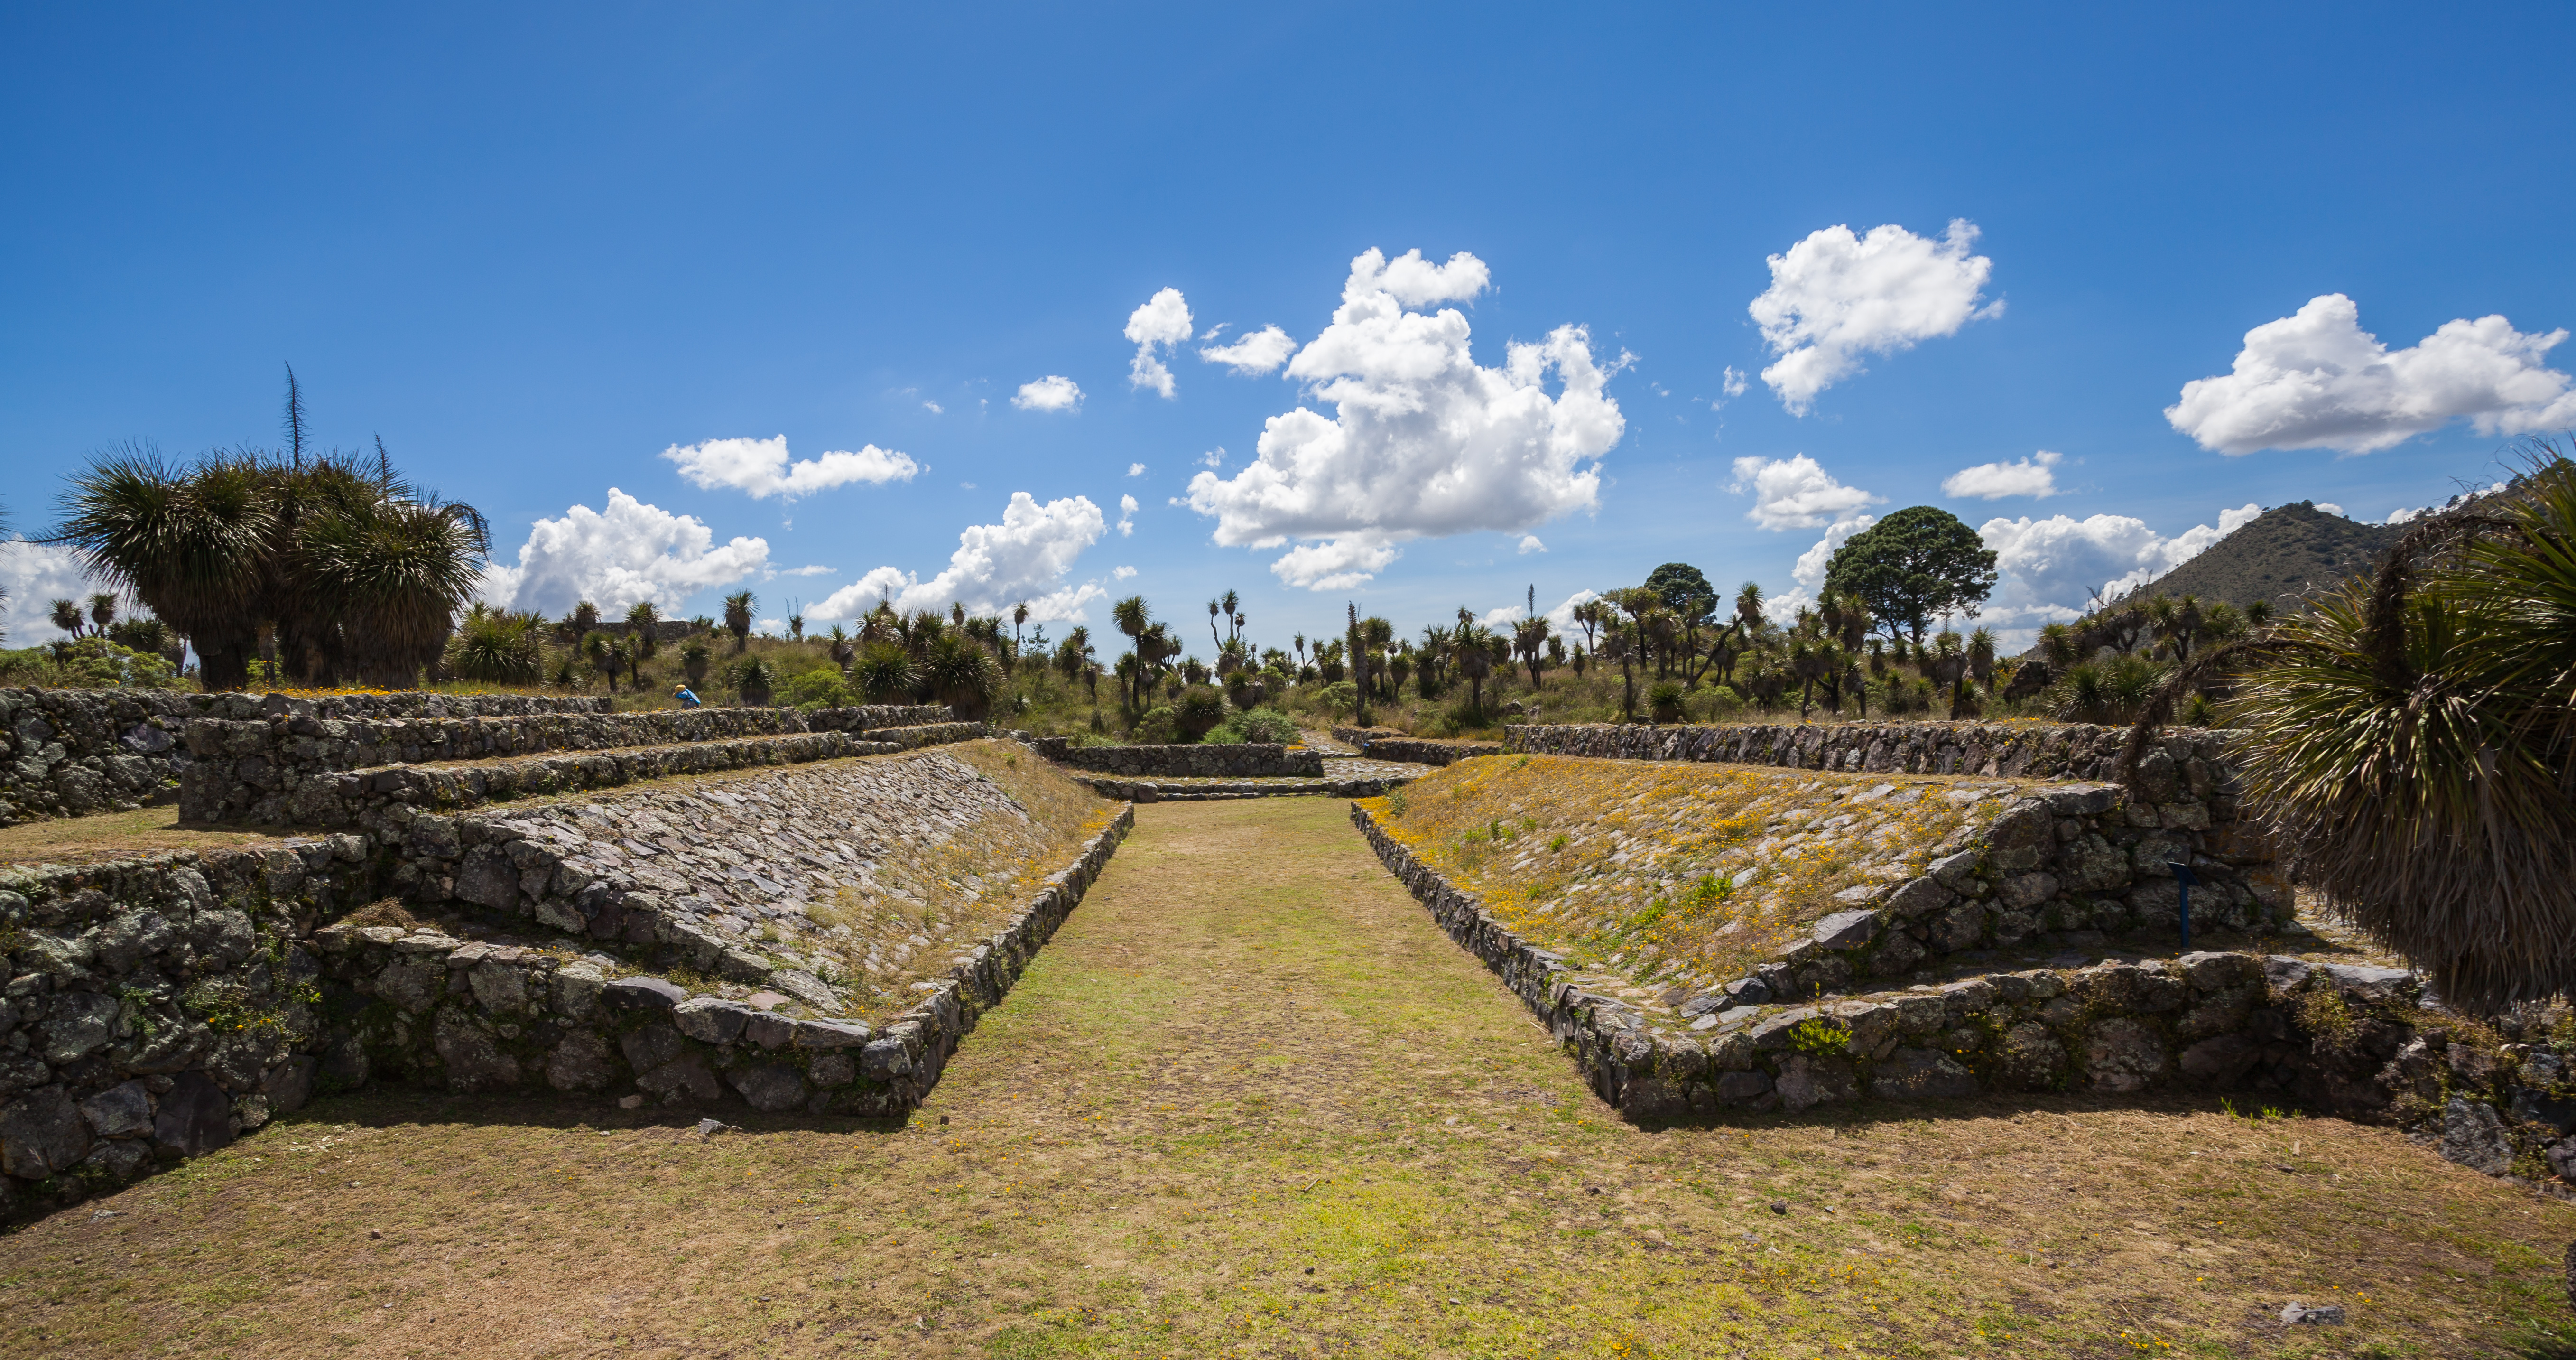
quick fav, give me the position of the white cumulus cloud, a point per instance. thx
(1135, 469)
(760, 467)
(1835, 297)
(1163, 321)
(632, 551)
(2317, 380)
(1424, 442)
(2034, 476)
(1126, 516)
(1121, 573)
(1024, 558)
(1254, 354)
(2330, 508)
(1050, 393)
(2049, 568)
(1810, 571)
(35, 575)
(1530, 544)
(1795, 493)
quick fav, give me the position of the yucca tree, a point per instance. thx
(644, 624)
(961, 673)
(190, 544)
(2412, 741)
(394, 571)
(737, 618)
(497, 648)
(102, 611)
(67, 616)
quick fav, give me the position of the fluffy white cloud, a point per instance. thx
(1836, 296)
(1135, 469)
(1022, 559)
(803, 571)
(1795, 493)
(2330, 507)
(1530, 544)
(1253, 354)
(2317, 380)
(934, 408)
(1163, 320)
(1121, 573)
(1050, 393)
(1126, 516)
(630, 552)
(1335, 564)
(760, 467)
(2034, 476)
(2050, 568)
(1424, 442)
(35, 575)
(1810, 571)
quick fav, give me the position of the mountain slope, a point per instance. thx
(2288, 553)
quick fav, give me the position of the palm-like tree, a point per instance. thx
(191, 545)
(737, 618)
(398, 570)
(2413, 742)
(102, 611)
(67, 616)
(644, 624)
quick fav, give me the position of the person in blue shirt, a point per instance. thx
(681, 693)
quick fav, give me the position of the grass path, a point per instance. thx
(1250, 1103)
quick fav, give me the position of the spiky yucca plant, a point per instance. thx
(2413, 743)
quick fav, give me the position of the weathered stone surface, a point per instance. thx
(1806, 1081)
(642, 994)
(121, 1111)
(193, 1117)
(473, 1057)
(1921, 1074)
(2473, 1135)
(582, 1062)
(770, 1087)
(711, 1020)
(2030, 1058)
(42, 1134)
(2123, 1054)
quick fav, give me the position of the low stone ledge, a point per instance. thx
(2185, 758)
(924, 734)
(875, 717)
(366, 797)
(2210, 1020)
(1380, 743)
(1150, 791)
(1247, 760)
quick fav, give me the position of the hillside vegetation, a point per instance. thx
(2289, 554)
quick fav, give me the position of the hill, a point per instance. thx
(2288, 553)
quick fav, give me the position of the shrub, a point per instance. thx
(89, 663)
(1665, 698)
(497, 649)
(753, 678)
(1200, 709)
(962, 674)
(1260, 724)
(884, 673)
(1338, 698)
(694, 661)
(1159, 727)
(821, 687)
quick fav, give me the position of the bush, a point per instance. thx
(753, 678)
(962, 675)
(1200, 709)
(884, 673)
(90, 663)
(1159, 727)
(821, 687)
(1338, 698)
(1261, 725)
(498, 649)
(1665, 698)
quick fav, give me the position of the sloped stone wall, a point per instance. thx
(2360, 1042)
(1247, 760)
(72, 752)
(160, 1007)
(2194, 758)
(1382, 743)
(873, 717)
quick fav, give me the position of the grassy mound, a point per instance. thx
(1674, 874)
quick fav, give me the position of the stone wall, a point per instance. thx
(2079, 751)
(1385, 743)
(157, 1008)
(71, 752)
(1249, 760)
(428, 1009)
(2356, 1041)
(367, 798)
(2076, 867)
(874, 717)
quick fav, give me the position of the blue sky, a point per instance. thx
(535, 248)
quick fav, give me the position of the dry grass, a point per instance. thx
(120, 835)
(1249, 1057)
(1670, 871)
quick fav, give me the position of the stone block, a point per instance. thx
(770, 1087)
(1921, 1074)
(121, 1111)
(192, 1118)
(711, 1019)
(2123, 1054)
(1807, 1081)
(1846, 930)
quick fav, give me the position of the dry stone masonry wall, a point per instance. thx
(156, 1008)
(72, 752)
(1246, 760)
(2361, 1042)
(1382, 743)
(2079, 751)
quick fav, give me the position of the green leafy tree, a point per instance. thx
(1683, 590)
(1912, 566)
